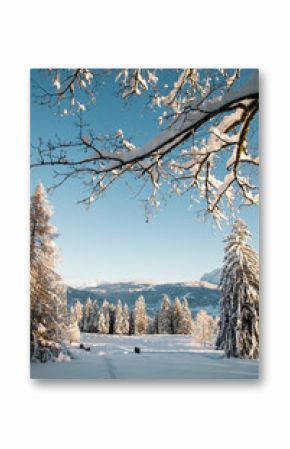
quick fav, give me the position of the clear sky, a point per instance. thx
(112, 241)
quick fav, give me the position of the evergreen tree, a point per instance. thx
(94, 317)
(102, 323)
(216, 326)
(87, 316)
(165, 317)
(140, 319)
(177, 317)
(72, 317)
(131, 323)
(125, 320)
(118, 319)
(111, 318)
(47, 292)
(76, 313)
(186, 324)
(150, 325)
(239, 320)
(155, 324)
(104, 318)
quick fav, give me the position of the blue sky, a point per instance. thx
(112, 241)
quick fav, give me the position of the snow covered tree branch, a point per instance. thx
(203, 147)
(69, 89)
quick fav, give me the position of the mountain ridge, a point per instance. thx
(199, 294)
(212, 276)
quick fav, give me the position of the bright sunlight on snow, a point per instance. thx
(113, 357)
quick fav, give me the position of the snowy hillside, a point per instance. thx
(161, 357)
(200, 295)
(213, 276)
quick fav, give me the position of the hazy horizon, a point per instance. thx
(98, 282)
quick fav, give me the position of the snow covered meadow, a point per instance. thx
(97, 341)
(161, 357)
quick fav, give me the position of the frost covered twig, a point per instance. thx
(208, 122)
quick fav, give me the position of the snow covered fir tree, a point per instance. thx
(139, 317)
(239, 321)
(165, 317)
(118, 319)
(47, 292)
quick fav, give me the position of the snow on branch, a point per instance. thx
(210, 120)
(68, 89)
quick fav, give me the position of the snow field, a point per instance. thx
(161, 357)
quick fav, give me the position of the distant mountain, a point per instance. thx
(213, 276)
(200, 294)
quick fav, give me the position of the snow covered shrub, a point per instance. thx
(73, 333)
(239, 321)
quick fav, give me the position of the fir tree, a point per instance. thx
(125, 320)
(155, 324)
(118, 319)
(177, 317)
(87, 316)
(72, 316)
(239, 320)
(165, 317)
(78, 312)
(140, 318)
(102, 323)
(186, 325)
(151, 326)
(94, 317)
(111, 318)
(104, 318)
(131, 323)
(47, 292)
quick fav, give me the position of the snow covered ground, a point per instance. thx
(161, 357)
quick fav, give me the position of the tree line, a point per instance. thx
(116, 319)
